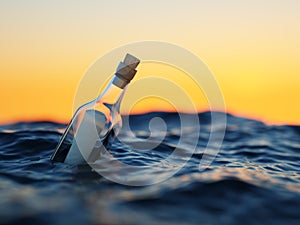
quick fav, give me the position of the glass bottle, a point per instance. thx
(95, 124)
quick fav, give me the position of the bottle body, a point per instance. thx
(94, 125)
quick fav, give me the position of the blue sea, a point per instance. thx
(254, 178)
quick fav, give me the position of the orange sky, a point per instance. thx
(252, 48)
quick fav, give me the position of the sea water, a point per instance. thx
(254, 179)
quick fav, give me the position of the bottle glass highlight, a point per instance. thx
(95, 124)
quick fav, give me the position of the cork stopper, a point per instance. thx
(126, 70)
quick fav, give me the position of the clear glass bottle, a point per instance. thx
(95, 124)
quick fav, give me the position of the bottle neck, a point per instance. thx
(113, 92)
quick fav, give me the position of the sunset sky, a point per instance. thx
(251, 46)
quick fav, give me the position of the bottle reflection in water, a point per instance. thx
(96, 123)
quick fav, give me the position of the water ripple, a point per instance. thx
(255, 178)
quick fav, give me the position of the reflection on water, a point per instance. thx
(255, 178)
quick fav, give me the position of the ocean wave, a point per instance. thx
(255, 177)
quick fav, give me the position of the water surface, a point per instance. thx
(255, 178)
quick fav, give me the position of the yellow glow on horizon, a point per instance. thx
(162, 87)
(252, 48)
